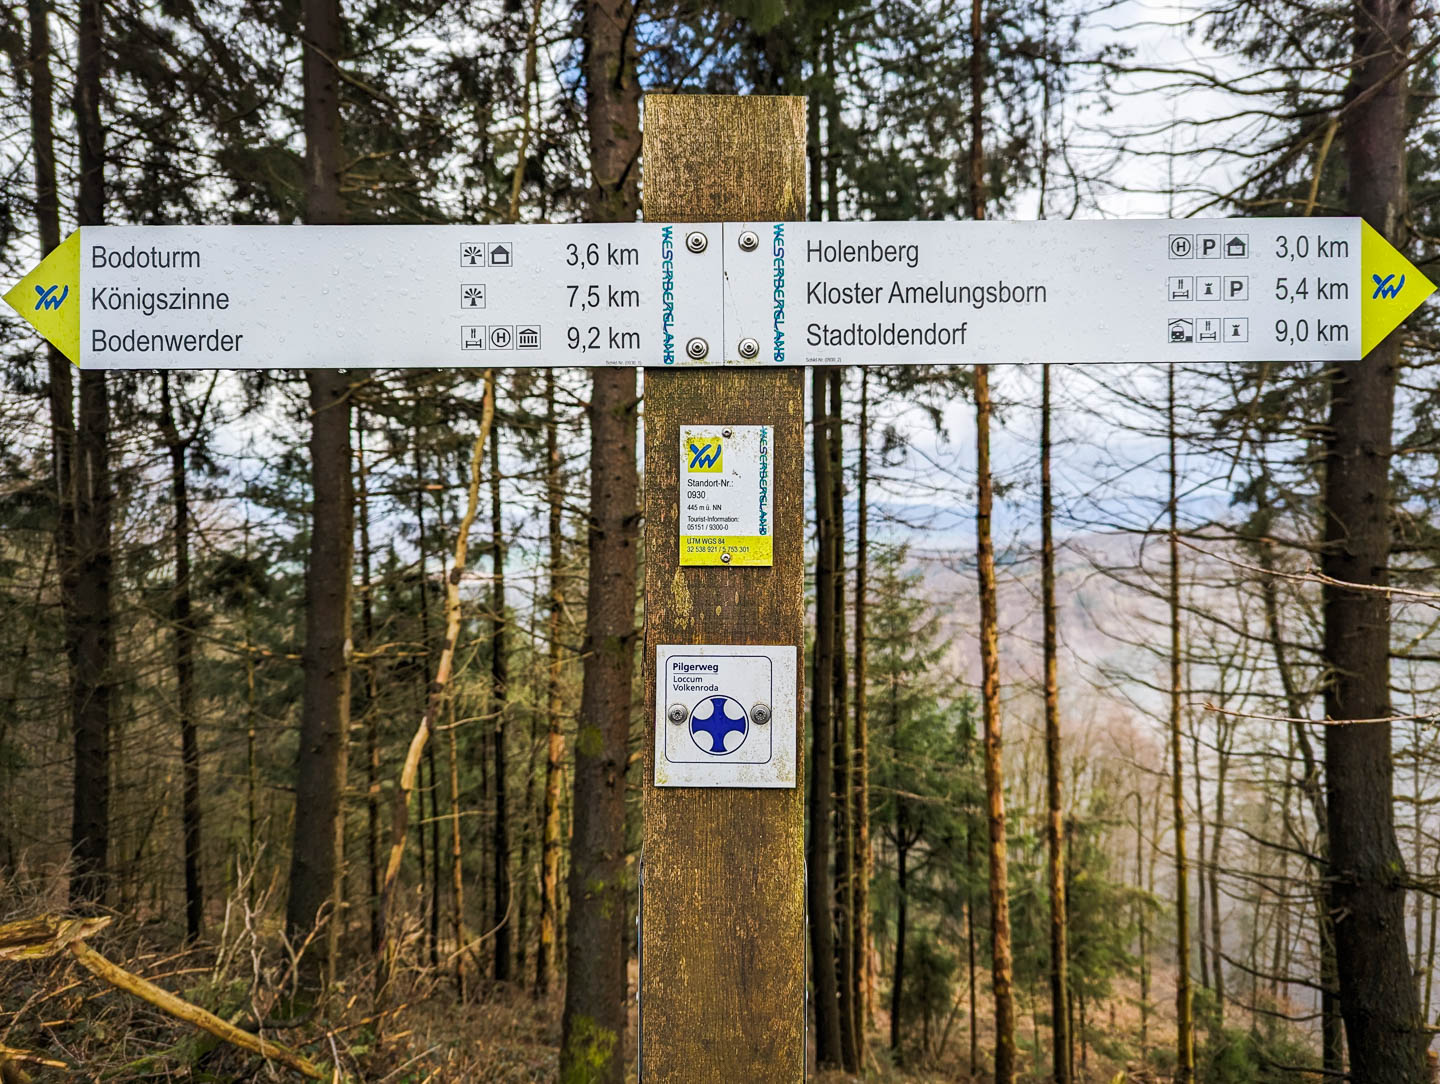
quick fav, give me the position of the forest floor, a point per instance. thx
(58, 1022)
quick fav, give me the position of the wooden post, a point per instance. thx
(722, 913)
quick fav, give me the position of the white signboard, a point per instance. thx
(763, 293)
(727, 514)
(1191, 290)
(725, 716)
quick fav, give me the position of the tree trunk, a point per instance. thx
(840, 712)
(499, 689)
(1184, 1018)
(555, 739)
(1367, 875)
(438, 689)
(592, 1049)
(897, 976)
(1000, 956)
(1055, 826)
(315, 861)
(1001, 966)
(822, 935)
(184, 630)
(864, 997)
(1332, 1026)
(90, 640)
(372, 714)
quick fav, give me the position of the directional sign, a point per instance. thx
(1176, 291)
(761, 293)
(236, 297)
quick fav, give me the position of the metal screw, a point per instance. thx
(726, 433)
(696, 241)
(677, 713)
(749, 241)
(760, 713)
(697, 348)
(749, 348)
(724, 558)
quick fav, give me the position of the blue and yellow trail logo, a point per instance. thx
(49, 299)
(705, 455)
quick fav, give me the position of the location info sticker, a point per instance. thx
(726, 508)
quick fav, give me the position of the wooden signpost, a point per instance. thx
(724, 310)
(722, 918)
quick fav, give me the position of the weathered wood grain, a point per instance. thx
(723, 920)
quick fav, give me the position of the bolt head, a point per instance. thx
(726, 433)
(677, 713)
(749, 241)
(749, 348)
(696, 241)
(697, 348)
(724, 558)
(760, 713)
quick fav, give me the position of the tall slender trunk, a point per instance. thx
(970, 947)
(828, 1050)
(316, 865)
(1201, 898)
(1143, 951)
(184, 632)
(90, 640)
(438, 690)
(499, 688)
(592, 1045)
(840, 712)
(427, 669)
(1184, 1017)
(61, 388)
(902, 908)
(1367, 872)
(555, 738)
(457, 857)
(1000, 955)
(1055, 826)
(1217, 933)
(1332, 1025)
(372, 714)
(864, 997)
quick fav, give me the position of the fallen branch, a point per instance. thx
(181, 1009)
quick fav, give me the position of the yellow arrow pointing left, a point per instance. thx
(49, 297)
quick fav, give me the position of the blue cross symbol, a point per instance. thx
(718, 717)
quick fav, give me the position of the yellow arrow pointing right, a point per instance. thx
(1390, 288)
(49, 297)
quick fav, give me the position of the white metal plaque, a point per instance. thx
(409, 296)
(725, 715)
(726, 507)
(851, 293)
(790, 293)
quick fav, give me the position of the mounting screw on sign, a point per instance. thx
(696, 241)
(677, 713)
(760, 713)
(749, 348)
(697, 348)
(749, 241)
(725, 558)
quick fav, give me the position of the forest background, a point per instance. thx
(322, 686)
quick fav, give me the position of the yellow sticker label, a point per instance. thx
(741, 550)
(1390, 288)
(49, 297)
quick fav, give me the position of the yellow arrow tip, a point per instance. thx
(49, 297)
(1391, 288)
